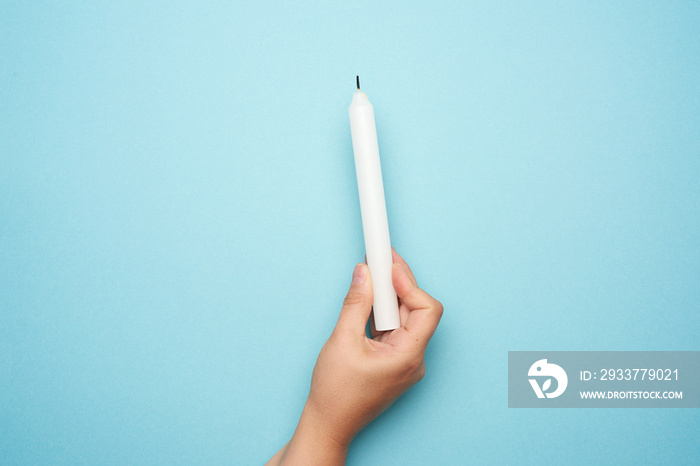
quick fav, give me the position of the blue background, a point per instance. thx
(179, 219)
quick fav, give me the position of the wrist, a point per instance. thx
(315, 442)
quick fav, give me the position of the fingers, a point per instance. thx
(358, 302)
(397, 258)
(424, 310)
(403, 310)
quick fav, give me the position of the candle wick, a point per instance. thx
(358, 82)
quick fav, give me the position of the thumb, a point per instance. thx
(358, 302)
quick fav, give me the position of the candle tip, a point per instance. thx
(358, 82)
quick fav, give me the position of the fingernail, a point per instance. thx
(358, 275)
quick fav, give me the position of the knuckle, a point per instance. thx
(353, 299)
(414, 365)
(420, 372)
(438, 308)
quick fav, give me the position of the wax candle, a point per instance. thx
(375, 225)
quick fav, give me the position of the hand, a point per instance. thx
(356, 378)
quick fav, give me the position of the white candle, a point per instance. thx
(374, 221)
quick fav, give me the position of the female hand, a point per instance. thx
(356, 378)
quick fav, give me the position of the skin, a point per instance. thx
(356, 377)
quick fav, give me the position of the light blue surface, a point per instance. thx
(179, 220)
